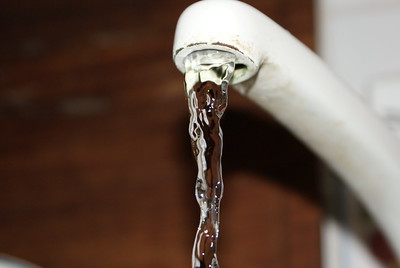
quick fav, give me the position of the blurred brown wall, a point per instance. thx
(95, 161)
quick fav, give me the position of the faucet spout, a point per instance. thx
(284, 77)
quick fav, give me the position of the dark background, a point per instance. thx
(95, 161)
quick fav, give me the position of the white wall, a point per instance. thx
(360, 40)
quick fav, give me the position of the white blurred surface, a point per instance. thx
(7, 261)
(360, 41)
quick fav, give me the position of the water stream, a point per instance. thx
(206, 81)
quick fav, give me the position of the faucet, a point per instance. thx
(288, 80)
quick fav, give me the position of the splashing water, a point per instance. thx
(206, 81)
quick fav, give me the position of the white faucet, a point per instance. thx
(284, 77)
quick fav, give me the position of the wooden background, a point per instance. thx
(95, 162)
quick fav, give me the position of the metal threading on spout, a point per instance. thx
(245, 67)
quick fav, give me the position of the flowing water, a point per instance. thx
(206, 80)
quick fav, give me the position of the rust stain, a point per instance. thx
(178, 50)
(190, 45)
(227, 45)
(196, 44)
